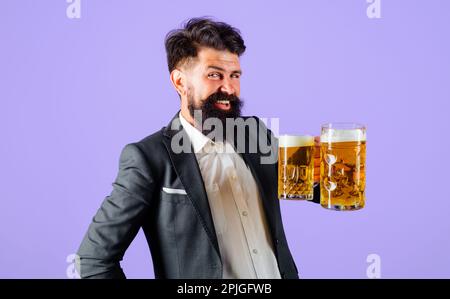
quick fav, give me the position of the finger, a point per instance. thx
(317, 146)
(316, 163)
(317, 153)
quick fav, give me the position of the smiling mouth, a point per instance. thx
(222, 105)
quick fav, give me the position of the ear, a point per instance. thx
(178, 79)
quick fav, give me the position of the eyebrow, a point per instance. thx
(223, 70)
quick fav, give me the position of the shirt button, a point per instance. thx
(255, 251)
(245, 213)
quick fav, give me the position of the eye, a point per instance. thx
(214, 75)
(237, 76)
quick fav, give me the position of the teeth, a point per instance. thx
(223, 102)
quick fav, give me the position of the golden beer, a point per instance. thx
(295, 167)
(342, 166)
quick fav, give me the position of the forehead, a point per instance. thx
(222, 58)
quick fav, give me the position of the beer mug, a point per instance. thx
(342, 166)
(295, 167)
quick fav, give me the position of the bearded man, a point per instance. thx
(207, 209)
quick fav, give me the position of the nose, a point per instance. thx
(227, 87)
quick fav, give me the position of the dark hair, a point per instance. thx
(182, 44)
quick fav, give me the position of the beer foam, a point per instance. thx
(343, 135)
(292, 141)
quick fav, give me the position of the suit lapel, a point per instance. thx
(187, 169)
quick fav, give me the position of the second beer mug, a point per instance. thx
(342, 166)
(295, 167)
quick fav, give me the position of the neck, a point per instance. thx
(187, 116)
(185, 111)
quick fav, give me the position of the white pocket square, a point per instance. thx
(174, 191)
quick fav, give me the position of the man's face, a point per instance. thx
(213, 84)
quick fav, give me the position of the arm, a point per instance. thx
(118, 219)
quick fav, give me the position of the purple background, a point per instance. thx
(73, 92)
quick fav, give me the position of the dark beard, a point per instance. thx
(208, 110)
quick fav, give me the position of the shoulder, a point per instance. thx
(152, 140)
(146, 148)
(260, 129)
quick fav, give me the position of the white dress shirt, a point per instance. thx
(236, 207)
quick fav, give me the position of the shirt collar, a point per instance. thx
(202, 143)
(198, 140)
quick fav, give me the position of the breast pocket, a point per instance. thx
(217, 208)
(174, 195)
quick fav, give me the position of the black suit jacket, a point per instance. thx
(178, 227)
